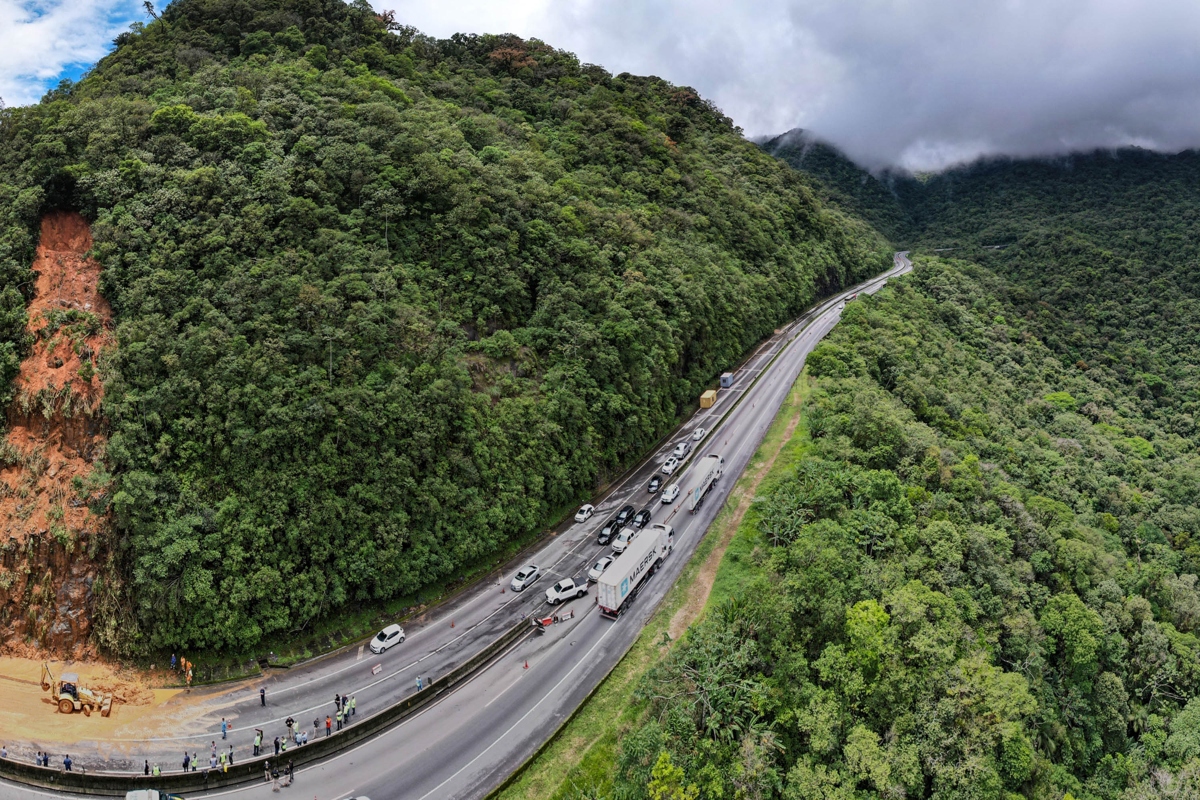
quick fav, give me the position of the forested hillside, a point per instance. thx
(862, 194)
(385, 303)
(981, 580)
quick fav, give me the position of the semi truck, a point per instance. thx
(622, 581)
(705, 477)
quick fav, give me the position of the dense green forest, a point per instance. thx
(980, 582)
(385, 303)
(839, 180)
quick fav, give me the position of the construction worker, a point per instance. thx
(276, 745)
(339, 719)
(67, 762)
(419, 686)
(195, 761)
(187, 760)
(146, 769)
(258, 734)
(353, 706)
(172, 662)
(157, 771)
(262, 697)
(328, 725)
(224, 728)
(231, 755)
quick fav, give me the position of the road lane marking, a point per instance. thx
(585, 660)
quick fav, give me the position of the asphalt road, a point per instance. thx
(469, 741)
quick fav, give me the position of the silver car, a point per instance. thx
(525, 577)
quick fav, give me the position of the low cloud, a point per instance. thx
(42, 41)
(916, 83)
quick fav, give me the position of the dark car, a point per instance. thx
(655, 482)
(623, 515)
(641, 518)
(608, 531)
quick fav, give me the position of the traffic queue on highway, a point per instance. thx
(638, 547)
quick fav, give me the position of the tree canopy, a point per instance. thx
(384, 303)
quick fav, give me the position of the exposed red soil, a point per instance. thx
(48, 535)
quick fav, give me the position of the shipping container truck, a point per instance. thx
(622, 581)
(704, 477)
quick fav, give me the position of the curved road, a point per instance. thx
(467, 743)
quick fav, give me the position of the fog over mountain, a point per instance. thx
(914, 83)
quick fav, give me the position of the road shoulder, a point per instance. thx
(583, 754)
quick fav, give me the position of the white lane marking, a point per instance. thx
(361, 647)
(585, 660)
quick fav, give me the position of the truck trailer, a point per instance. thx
(704, 477)
(621, 582)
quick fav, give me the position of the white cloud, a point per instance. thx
(922, 83)
(40, 40)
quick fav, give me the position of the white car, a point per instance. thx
(623, 539)
(670, 464)
(670, 494)
(598, 568)
(699, 434)
(389, 636)
(566, 589)
(525, 577)
(584, 513)
(681, 449)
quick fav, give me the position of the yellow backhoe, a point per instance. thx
(70, 696)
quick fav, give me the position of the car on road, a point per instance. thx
(623, 539)
(525, 577)
(585, 513)
(566, 589)
(670, 464)
(388, 637)
(598, 568)
(681, 449)
(624, 514)
(699, 434)
(655, 482)
(608, 531)
(670, 493)
(641, 518)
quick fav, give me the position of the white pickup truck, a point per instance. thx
(566, 589)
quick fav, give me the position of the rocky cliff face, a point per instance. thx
(51, 540)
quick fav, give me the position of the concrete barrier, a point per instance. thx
(116, 784)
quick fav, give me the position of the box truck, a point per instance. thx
(621, 582)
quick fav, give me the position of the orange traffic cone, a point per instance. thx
(527, 663)
(451, 623)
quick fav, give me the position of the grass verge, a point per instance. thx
(585, 752)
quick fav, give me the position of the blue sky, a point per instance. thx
(44, 41)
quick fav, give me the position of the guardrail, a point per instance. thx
(116, 785)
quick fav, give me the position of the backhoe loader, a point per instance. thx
(70, 696)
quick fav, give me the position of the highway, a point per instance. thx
(467, 742)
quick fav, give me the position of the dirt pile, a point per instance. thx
(51, 541)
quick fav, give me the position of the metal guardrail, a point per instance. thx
(116, 785)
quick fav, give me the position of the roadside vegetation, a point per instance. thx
(579, 761)
(386, 304)
(981, 582)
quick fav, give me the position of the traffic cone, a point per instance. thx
(451, 623)
(527, 663)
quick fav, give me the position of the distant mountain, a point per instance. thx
(847, 185)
